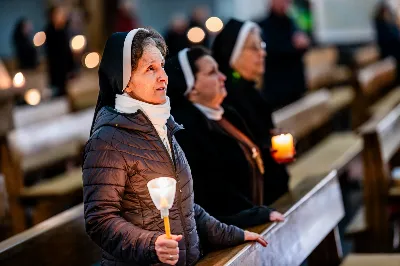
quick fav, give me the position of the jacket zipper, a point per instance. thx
(173, 163)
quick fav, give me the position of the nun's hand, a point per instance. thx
(300, 41)
(276, 217)
(250, 236)
(167, 249)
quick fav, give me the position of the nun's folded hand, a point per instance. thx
(167, 249)
(251, 236)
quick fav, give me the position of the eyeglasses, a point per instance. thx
(256, 48)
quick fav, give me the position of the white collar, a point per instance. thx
(158, 114)
(212, 114)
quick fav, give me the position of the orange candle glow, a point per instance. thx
(283, 146)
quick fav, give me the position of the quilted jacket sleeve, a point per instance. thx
(214, 233)
(104, 177)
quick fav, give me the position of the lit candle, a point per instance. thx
(283, 147)
(162, 191)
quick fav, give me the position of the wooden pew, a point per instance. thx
(370, 84)
(385, 104)
(312, 111)
(366, 55)
(371, 228)
(327, 76)
(336, 151)
(39, 146)
(48, 110)
(310, 121)
(372, 260)
(60, 240)
(309, 232)
(322, 70)
(83, 90)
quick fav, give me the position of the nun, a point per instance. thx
(132, 142)
(240, 52)
(226, 164)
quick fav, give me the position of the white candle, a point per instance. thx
(283, 146)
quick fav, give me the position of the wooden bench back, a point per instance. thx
(47, 141)
(60, 240)
(366, 55)
(370, 83)
(84, 90)
(308, 225)
(377, 76)
(381, 142)
(28, 115)
(304, 115)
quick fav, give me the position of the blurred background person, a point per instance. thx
(226, 165)
(284, 77)
(126, 18)
(240, 52)
(176, 34)
(302, 16)
(25, 51)
(58, 51)
(387, 33)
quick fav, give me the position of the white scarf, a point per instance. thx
(212, 114)
(158, 114)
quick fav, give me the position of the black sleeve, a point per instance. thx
(215, 233)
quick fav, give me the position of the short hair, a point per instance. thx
(141, 40)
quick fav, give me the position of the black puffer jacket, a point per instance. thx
(122, 155)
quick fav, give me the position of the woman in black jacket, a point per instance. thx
(226, 165)
(239, 52)
(132, 142)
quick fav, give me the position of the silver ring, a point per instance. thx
(170, 256)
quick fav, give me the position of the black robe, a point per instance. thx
(59, 58)
(284, 77)
(388, 38)
(247, 101)
(220, 170)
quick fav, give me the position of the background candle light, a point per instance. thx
(283, 147)
(162, 191)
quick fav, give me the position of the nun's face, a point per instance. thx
(149, 81)
(250, 63)
(209, 88)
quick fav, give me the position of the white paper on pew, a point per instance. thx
(49, 134)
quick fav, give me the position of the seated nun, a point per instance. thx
(226, 164)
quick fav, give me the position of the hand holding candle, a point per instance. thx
(162, 191)
(283, 149)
